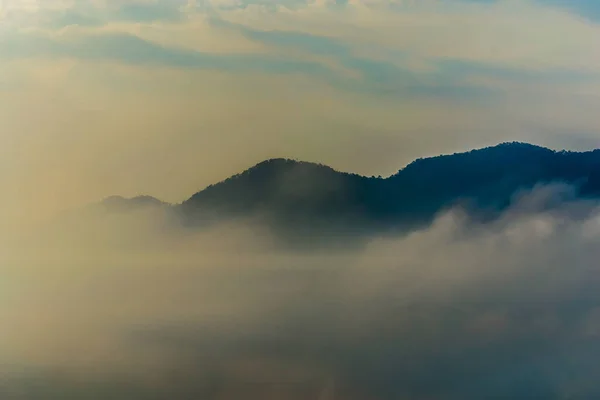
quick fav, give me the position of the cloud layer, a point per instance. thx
(505, 310)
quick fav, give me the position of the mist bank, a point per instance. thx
(460, 309)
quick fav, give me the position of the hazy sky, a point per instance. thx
(163, 97)
(101, 97)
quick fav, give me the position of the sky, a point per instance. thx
(163, 97)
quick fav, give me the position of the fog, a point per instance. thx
(138, 308)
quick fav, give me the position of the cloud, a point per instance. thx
(507, 309)
(382, 48)
(130, 49)
(514, 34)
(328, 60)
(60, 13)
(509, 33)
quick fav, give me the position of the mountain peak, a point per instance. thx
(281, 164)
(501, 155)
(517, 144)
(120, 203)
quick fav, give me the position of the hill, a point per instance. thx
(307, 203)
(301, 194)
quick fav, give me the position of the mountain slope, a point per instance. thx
(287, 189)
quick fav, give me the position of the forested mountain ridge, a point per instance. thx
(292, 191)
(300, 199)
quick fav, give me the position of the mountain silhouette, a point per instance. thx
(485, 179)
(302, 199)
(119, 203)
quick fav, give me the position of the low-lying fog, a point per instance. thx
(507, 310)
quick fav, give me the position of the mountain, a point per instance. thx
(305, 200)
(122, 204)
(313, 196)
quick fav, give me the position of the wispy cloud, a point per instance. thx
(131, 49)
